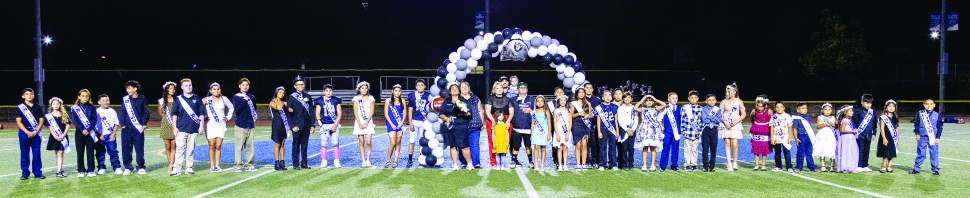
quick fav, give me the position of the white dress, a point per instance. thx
(562, 126)
(363, 109)
(216, 128)
(824, 145)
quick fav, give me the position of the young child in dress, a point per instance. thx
(847, 151)
(781, 136)
(804, 137)
(824, 146)
(649, 137)
(541, 133)
(500, 141)
(929, 127)
(761, 132)
(58, 122)
(563, 139)
(888, 136)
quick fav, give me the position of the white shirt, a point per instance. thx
(109, 119)
(624, 115)
(220, 108)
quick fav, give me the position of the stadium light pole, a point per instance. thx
(488, 67)
(38, 62)
(943, 57)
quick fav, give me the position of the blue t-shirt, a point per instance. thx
(799, 127)
(606, 114)
(328, 109)
(185, 123)
(420, 105)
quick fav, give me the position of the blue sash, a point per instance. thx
(188, 109)
(131, 115)
(87, 123)
(892, 130)
(215, 115)
(56, 130)
(31, 120)
(927, 125)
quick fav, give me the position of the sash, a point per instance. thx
(422, 105)
(734, 109)
(105, 127)
(761, 138)
(286, 124)
(891, 129)
(930, 131)
(807, 126)
(86, 123)
(633, 118)
(131, 115)
(777, 123)
(542, 131)
(252, 108)
(563, 119)
(299, 95)
(608, 124)
(865, 121)
(397, 116)
(215, 115)
(360, 107)
(579, 107)
(673, 122)
(31, 120)
(188, 109)
(56, 130)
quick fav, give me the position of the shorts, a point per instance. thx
(518, 138)
(457, 136)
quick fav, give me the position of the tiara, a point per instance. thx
(165, 86)
(362, 83)
(55, 99)
(280, 87)
(845, 108)
(396, 86)
(213, 85)
(891, 101)
(761, 99)
(826, 104)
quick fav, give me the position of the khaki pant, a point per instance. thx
(690, 151)
(184, 148)
(245, 139)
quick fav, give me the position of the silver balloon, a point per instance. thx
(436, 127)
(568, 82)
(439, 137)
(460, 75)
(435, 90)
(460, 65)
(432, 117)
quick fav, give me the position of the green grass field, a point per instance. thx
(432, 182)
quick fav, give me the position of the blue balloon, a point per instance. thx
(493, 47)
(577, 66)
(547, 59)
(442, 72)
(517, 31)
(444, 91)
(442, 82)
(426, 151)
(507, 32)
(424, 142)
(462, 65)
(536, 41)
(465, 53)
(431, 160)
(568, 60)
(557, 59)
(499, 39)
(487, 55)
(445, 63)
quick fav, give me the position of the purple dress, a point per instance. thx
(847, 151)
(760, 134)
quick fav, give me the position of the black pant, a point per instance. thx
(85, 148)
(299, 147)
(863, 151)
(131, 139)
(709, 147)
(555, 152)
(593, 145)
(626, 152)
(779, 149)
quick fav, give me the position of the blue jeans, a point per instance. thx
(921, 148)
(29, 155)
(111, 147)
(474, 135)
(671, 148)
(131, 138)
(608, 150)
(804, 153)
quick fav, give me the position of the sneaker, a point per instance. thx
(91, 174)
(601, 169)
(100, 171)
(212, 170)
(237, 169)
(914, 172)
(23, 177)
(776, 170)
(127, 172)
(80, 175)
(868, 169)
(141, 171)
(791, 171)
(336, 163)
(174, 174)
(250, 169)
(323, 164)
(615, 169)
(60, 175)
(189, 171)
(218, 169)
(936, 172)
(118, 171)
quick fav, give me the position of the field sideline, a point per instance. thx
(352, 181)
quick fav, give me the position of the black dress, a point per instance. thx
(53, 144)
(888, 150)
(279, 125)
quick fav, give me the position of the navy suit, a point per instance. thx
(302, 118)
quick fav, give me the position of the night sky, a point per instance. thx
(744, 41)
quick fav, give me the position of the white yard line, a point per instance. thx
(48, 168)
(827, 183)
(913, 154)
(260, 174)
(525, 183)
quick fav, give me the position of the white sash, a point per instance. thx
(299, 95)
(396, 115)
(563, 120)
(579, 107)
(422, 105)
(776, 121)
(188, 109)
(363, 111)
(56, 130)
(673, 122)
(84, 120)
(542, 131)
(865, 121)
(927, 125)
(892, 130)
(105, 128)
(807, 126)
(131, 115)
(215, 115)
(734, 109)
(286, 123)
(31, 120)
(609, 124)
(252, 108)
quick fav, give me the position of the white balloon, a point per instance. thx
(459, 50)
(452, 67)
(579, 77)
(422, 160)
(433, 143)
(451, 77)
(533, 52)
(427, 125)
(472, 63)
(429, 134)
(561, 76)
(575, 87)
(437, 152)
(453, 57)
(569, 72)
(542, 50)
(561, 68)
(574, 56)
(526, 35)
(488, 38)
(563, 50)
(553, 49)
(553, 65)
(516, 36)
(497, 52)
(440, 161)
(482, 45)
(476, 54)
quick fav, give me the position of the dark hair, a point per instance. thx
(102, 96)
(327, 86)
(800, 104)
(894, 118)
(924, 100)
(558, 88)
(420, 81)
(165, 95)
(693, 93)
(26, 90)
(133, 83)
(779, 102)
(867, 98)
(711, 95)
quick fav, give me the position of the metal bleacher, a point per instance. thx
(406, 82)
(343, 86)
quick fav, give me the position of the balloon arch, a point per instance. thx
(506, 45)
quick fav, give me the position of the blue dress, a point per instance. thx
(279, 125)
(395, 112)
(539, 136)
